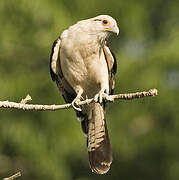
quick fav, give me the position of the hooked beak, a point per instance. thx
(115, 30)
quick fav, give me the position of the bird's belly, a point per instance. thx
(90, 74)
(91, 80)
(97, 78)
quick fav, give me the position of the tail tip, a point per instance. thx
(102, 168)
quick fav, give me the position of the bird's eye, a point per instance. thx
(105, 22)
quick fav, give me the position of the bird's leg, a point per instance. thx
(99, 97)
(102, 95)
(77, 100)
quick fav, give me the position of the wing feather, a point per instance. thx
(112, 67)
(56, 73)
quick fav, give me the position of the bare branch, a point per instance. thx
(18, 174)
(22, 105)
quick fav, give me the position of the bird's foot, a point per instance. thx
(100, 96)
(108, 97)
(75, 103)
(103, 96)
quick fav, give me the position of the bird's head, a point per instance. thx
(105, 23)
(99, 28)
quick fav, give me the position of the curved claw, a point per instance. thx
(103, 96)
(100, 96)
(77, 100)
(74, 104)
(96, 97)
(108, 97)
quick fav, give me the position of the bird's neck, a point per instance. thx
(94, 40)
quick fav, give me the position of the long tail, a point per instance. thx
(99, 149)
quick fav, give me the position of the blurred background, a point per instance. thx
(144, 133)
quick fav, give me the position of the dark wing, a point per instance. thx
(112, 67)
(56, 73)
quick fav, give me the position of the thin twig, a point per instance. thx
(18, 174)
(22, 105)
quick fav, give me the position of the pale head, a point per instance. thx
(105, 23)
(95, 29)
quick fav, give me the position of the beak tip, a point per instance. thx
(116, 30)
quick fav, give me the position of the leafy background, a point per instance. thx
(50, 145)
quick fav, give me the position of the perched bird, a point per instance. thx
(83, 66)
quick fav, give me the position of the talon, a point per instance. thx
(96, 98)
(108, 97)
(77, 100)
(100, 96)
(74, 104)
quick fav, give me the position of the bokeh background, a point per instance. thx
(144, 133)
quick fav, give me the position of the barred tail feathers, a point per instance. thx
(99, 148)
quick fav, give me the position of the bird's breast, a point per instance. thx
(84, 67)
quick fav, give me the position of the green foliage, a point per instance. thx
(50, 145)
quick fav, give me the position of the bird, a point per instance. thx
(83, 66)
